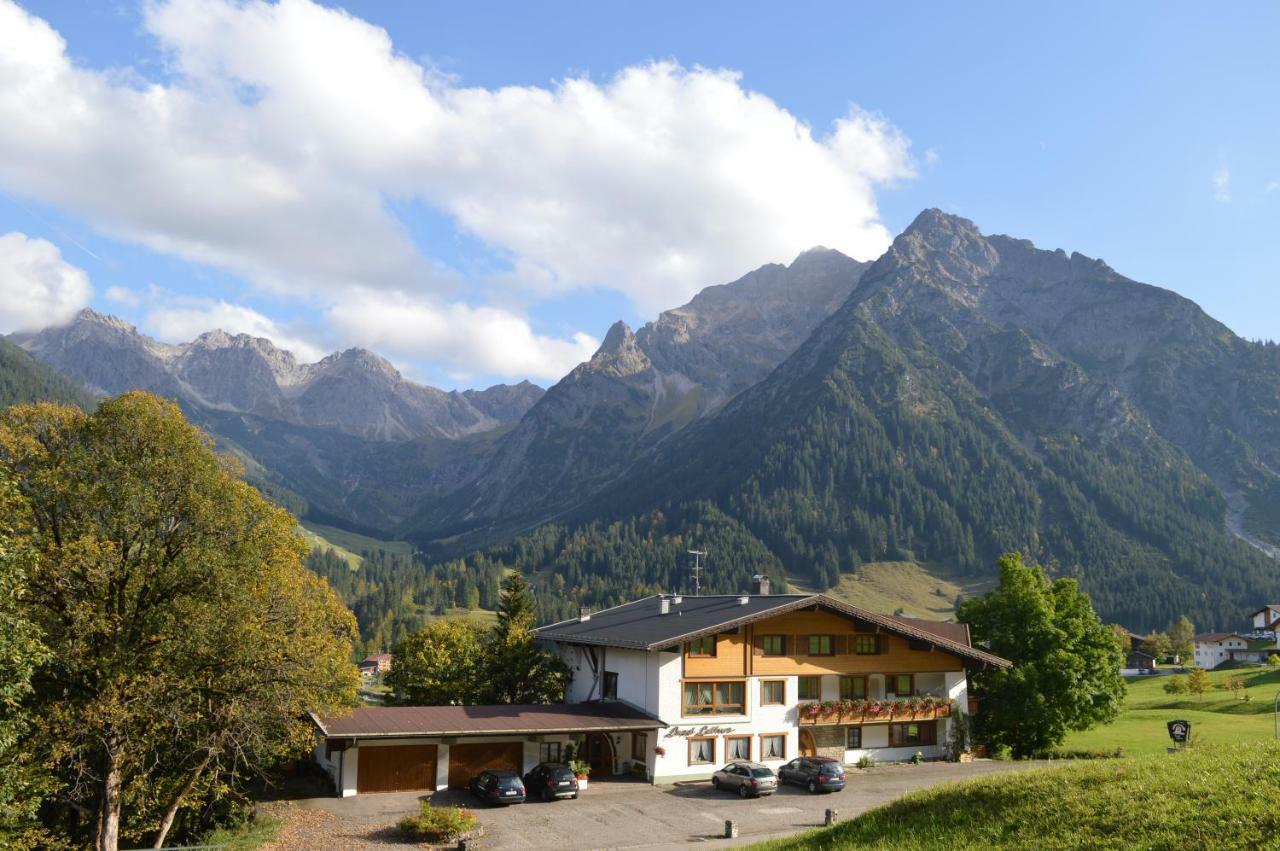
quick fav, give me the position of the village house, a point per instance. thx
(1217, 648)
(768, 677)
(671, 687)
(1266, 621)
(376, 663)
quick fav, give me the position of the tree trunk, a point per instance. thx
(172, 811)
(109, 805)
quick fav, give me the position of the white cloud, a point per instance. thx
(1222, 185)
(179, 319)
(37, 287)
(285, 128)
(464, 340)
(123, 296)
(931, 156)
(1272, 186)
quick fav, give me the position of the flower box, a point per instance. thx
(870, 711)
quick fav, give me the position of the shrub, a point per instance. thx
(437, 824)
(580, 767)
(866, 761)
(1175, 685)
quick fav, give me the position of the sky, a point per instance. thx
(478, 190)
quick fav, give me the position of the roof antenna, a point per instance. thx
(697, 570)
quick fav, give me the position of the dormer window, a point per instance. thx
(703, 647)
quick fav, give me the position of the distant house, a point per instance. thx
(1139, 660)
(1216, 648)
(1266, 621)
(376, 663)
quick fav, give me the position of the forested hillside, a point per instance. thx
(914, 426)
(23, 380)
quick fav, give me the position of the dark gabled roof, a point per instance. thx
(1206, 637)
(516, 719)
(639, 625)
(1275, 607)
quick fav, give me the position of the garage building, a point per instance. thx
(423, 748)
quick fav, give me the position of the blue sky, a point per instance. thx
(337, 211)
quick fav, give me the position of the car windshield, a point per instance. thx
(508, 782)
(761, 772)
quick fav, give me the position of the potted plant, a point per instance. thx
(581, 769)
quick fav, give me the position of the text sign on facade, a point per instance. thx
(1180, 731)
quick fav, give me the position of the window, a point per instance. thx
(820, 645)
(705, 646)
(853, 688)
(639, 747)
(773, 692)
(773, 645)
(853, 737)
(549, 752)
(702, 751)
(773, 747)
(737, 747)
(866, 645)
(905, 735)
(902, 685)
(610, 687)
(808, 688)
(724, 697)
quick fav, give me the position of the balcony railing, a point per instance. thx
(863, 711)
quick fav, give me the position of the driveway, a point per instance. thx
(629, 814)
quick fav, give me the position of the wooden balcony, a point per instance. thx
(875, 711)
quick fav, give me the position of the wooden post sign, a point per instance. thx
(1180, 731)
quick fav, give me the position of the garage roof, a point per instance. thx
(642, 625)
(375, 721)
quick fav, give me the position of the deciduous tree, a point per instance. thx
(1198, 682)
(440, 665)
(186, 639)
(1182, 638)
(1066, 662)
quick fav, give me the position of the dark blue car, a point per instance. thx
(497, 786)
(815, 773)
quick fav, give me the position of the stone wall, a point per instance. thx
(829, 740)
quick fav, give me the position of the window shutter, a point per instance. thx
(802, 645)
(882, 643)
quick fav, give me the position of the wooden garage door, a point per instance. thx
(468, 760)
(396, 768)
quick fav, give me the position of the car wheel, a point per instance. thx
(715, 783)
(575, 797)
(813, 787)
(742, 791)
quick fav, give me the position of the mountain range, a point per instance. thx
(963, 395)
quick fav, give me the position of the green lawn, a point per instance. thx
(349, 545)
(255, 833)
(1207, 797)
(919, 590)
(1217, 718)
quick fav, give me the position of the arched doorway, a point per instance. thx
(806, 744)
(600, 754)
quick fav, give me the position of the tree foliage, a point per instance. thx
(1066, 662)
(440, 665)
(186, 640)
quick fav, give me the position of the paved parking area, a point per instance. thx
(630, 814)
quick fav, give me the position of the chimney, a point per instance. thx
(584, 614)
(743, 600)
(677, 600)
(760, 584)
(664, 606)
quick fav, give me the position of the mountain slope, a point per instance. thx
(347, 440)
(638, 390)
(934, 417)
(24, 380)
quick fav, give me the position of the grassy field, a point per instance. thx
(922, 591)
(349, 545)
(1217, 718)
(1212, 797)
(255, 833)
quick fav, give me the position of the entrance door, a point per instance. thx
(600, 754)
(397, 768)
(468, 760)
(806, 744)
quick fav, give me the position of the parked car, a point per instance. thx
(551, 780)
(497, 786)
(815, 773)
(746, 778)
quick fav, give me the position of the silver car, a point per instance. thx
(749, 779)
